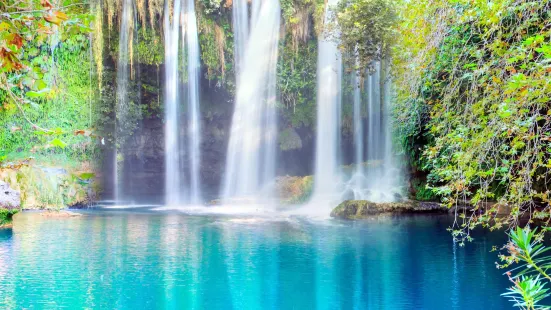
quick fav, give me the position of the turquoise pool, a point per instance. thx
(141, 259)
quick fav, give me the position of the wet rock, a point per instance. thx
(358, 209)
(289, 139)
(10, 199)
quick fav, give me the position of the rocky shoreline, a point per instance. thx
(359, 209)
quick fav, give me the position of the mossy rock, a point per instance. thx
(50, 188)
(358, 209)
(294, 190)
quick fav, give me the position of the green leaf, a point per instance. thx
(58, 143)
(87, 175)
(40, 85)
(38, 94)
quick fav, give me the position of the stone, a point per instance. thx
(358, 209)
(10, 199)
(289, 139)
(60, 214)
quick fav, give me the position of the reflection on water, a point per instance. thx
(149, 260)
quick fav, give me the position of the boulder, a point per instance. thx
(289, 139)
(10, 199)
(357, 209)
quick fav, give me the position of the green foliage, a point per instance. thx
(480, 104)
(46, 86)
(211, 6)
(6, 216)
(296, 83)
(216, 41)
(526, 250)
(149, 47)
(423, 192)
(527, 293)
(366, 29)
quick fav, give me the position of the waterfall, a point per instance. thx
(240, 20)
(375, 177)
(327, 162)
(173, 183)
(358, 131)
(250, 165)
(193, 113)
(178, 150)
(374, 130)
(122, 102)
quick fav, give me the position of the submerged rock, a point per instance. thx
(10, 199)
(60, 214)
(357, 209)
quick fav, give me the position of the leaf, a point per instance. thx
(40, 85)
(16, 40)
(46, 4)
(87, 175)
(4, 26)
(51, 18)
(62, 16)
(58, 143)
(10, 61)
(37, 94)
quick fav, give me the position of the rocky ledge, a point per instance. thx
(10, 199)
(358, 209)
(10, 202)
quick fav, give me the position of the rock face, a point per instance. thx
(9, 198)
(358, 209)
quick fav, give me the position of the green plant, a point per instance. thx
(530, 276)
(423, 192)
(6, 216)
(527, 293)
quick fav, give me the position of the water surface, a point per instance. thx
(155, 260)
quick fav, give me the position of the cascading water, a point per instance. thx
(327, 163)
(375, 177)
(173, 184)
(121, 109)
(358, 177)
(374, 115)
(250, 165)
(179, 151)
(194, 117)
(240, 20)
